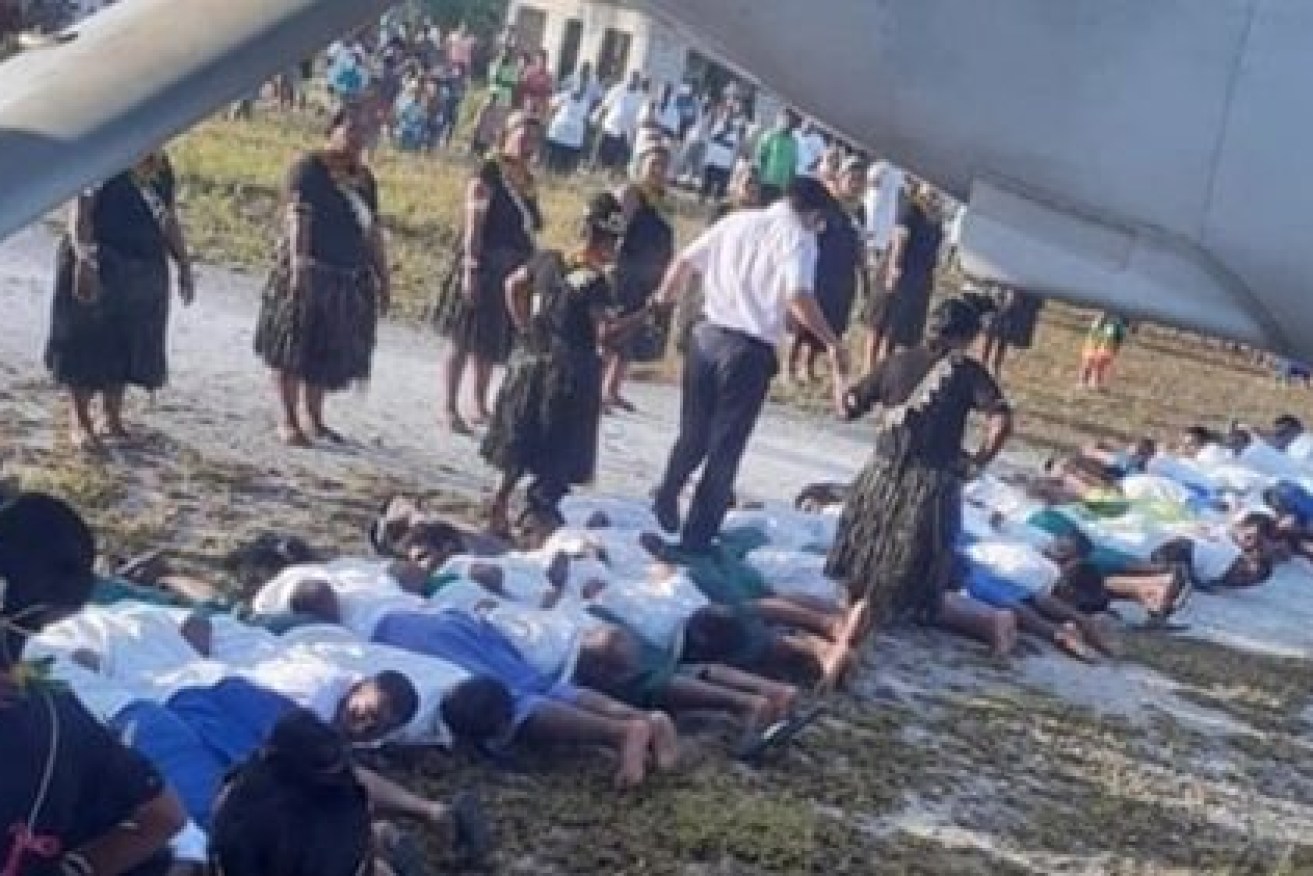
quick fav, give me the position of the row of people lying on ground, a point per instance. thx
(578, 642)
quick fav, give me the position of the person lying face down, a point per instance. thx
(538, 707)
(199, 733)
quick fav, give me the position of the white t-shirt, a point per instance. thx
(752, 263)
(1017, 563)
(548, 641)
(656, 609)
(666, 118)
(1301, 448)
(620, 111)
(1183, 471)
(305, 678)
(1267, 460)
(786, 527)
(624, 556)
(366, 592)
(620, 513)
(882, 204)
(432, 677)
(524, 576)
(794, 573)
(104, 697)
(723, 141)
(1212, 558)
(811, 148)
(569, 125)
(1154, 488)
(138, 645)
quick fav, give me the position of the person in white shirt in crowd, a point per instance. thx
(662, 111)
(567, 129)
(883, 198)
(617, 117)
(758, 267)
(724, 145)
(812, 144)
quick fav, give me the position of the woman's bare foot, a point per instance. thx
(761, 715)
(292, 436)
(1003, 633)
(633, 754)
(665, 741)
(837, 667)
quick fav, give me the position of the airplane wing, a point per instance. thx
(137, 74)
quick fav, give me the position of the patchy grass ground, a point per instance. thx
(1187, 758)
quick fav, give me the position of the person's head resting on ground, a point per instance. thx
(718, 634)
(608, 656)
(428, 546)
(479, 712)
(376, 707)
(1255, 532)
(521, 137)
(294, 809)
(47, 559)
(956, 323)
(1195, 439)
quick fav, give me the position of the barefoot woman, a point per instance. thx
(330, 283)
(894, 549)
(501, 219)
(111, 307)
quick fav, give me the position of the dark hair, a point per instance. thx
(47, 555)
(604, 217)
(401, 693)
(435, 534)
(339, 119)
(1266, 526)
(295, 809)
(958, 319)
(1145, 447)
(807, 194)
(478, 710)
(1288, 423)
(713, 634)
(1203, 435)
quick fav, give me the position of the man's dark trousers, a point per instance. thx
(727, 376)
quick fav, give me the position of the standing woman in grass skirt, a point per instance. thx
(549, 408)
(501, 221)
(894, 548)
(109, 320)
(329, 285)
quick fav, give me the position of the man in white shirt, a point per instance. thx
(757, 268)
(618, 119)
(882, 201)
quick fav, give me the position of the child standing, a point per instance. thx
(1102, 344)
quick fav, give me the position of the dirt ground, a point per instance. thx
(1186, 756)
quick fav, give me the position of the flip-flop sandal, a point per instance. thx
(777, 736)
(474, 840)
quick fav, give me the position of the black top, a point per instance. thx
(924, 237)
(96, 783)
(839, 254)
(933, 434)
(121, 219)
(510, 218)
(568, 302)
(644, 256)
(337, 236)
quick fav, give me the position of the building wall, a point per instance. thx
(654, 49)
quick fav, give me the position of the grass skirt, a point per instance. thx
(324, 336)
(119, 339)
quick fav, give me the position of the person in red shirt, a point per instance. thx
(536, 85)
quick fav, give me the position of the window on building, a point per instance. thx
(568, 57)
(613, 59)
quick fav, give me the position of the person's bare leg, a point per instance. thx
(1150, 591)
(687, 693)
(965, 616)
(81, 428)
(1091, 629)
(612, 378)
(786, 612)
(112, 399)
(665, 738)
(314, 404)
(189, 588)
(857, 626)
(630, 739)
(289, 397)
(783, 697)
(499, 510)
(453, 376)
(482, 391)
(1066, 635)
